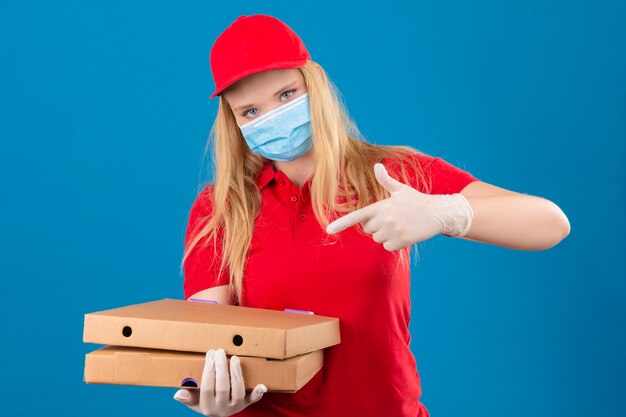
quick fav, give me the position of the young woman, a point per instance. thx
(303, 213)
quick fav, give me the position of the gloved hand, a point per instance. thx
(213, 397)
(408, 216)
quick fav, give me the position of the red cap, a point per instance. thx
(252, 44)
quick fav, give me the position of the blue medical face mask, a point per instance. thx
(283, 134)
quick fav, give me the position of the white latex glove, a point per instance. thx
(213, 397)
(408, 216)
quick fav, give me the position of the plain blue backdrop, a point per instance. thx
(105, 113)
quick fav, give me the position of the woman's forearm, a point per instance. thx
(517, 221)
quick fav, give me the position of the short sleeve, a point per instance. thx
(442, 176)
(201, 268)
(446, 178)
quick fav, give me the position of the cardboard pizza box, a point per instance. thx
(165, 368)
(192, 326)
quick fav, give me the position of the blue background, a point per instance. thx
(104, 116)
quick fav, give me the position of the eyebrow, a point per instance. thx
(279, 91)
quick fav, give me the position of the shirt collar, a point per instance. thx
(266, 175)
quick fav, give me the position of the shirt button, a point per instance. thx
(281, 182)
(294, 198)
(302, 216)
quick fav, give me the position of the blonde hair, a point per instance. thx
(343, 170)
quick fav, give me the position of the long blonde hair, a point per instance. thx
(343, 170)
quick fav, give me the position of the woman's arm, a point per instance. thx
(513, 220)
(480, 212)
(219, 294)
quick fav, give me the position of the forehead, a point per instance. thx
(261, 84)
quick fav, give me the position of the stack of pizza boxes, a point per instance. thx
(164, 343)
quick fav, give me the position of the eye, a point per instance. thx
(289, 91)
(246, 112)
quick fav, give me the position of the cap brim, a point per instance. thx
(272, 66)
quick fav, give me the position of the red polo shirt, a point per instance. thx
(291, 264)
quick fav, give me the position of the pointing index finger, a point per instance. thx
(358, 216)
